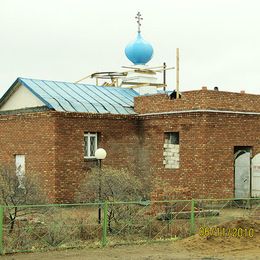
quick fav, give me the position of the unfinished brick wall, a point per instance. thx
(53, 143)
(207, 142)
(198, 99)
(191, 163)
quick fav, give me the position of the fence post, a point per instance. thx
(192, 218)
(105, 222)
(1, 230)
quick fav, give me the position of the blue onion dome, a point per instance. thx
(139, 52)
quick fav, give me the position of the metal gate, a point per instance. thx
(256, 176)
(242, 175)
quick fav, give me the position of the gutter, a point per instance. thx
(201, 111)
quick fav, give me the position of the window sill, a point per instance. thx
(86, 159)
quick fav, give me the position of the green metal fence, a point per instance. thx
(44, 227)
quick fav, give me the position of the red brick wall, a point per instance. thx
(207, 143)
(34, 136)
(54, 146)
(198, 99)
(190, 131)
(53, 143)
(118, 136)
(222, 133)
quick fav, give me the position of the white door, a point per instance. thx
(256, 176)
(242, 175)
(20, 167)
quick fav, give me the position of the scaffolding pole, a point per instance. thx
(177, 73)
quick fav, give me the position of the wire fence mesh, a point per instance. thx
(227, 217)
(46, 227)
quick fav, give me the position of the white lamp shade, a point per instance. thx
(100, 154)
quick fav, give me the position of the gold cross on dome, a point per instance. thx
(139, 19)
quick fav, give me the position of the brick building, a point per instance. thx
(206, 143)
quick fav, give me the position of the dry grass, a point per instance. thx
(75, 226)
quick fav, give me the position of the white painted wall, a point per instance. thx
(21, 98)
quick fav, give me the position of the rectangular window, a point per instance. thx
(90, 145)
(171, 151)
(20, 168)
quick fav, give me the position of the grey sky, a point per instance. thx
(219, 40)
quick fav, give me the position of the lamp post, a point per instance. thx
(100, 155)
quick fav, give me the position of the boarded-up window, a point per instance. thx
(171, 151)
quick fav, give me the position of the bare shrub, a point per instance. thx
(116, 185)
(15, 192)
(112, 185)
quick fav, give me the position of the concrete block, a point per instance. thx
(176, 148)
(176, 166)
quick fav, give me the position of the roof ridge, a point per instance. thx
(87, 84)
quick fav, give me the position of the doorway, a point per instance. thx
(256, 176)
(242, 171)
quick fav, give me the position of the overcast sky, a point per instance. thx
(65, 40)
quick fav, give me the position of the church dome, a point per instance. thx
(139, 52)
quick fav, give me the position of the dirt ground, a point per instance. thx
(194, 247)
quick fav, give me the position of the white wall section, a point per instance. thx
(21, 98)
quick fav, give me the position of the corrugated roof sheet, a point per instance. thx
(75, 97)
